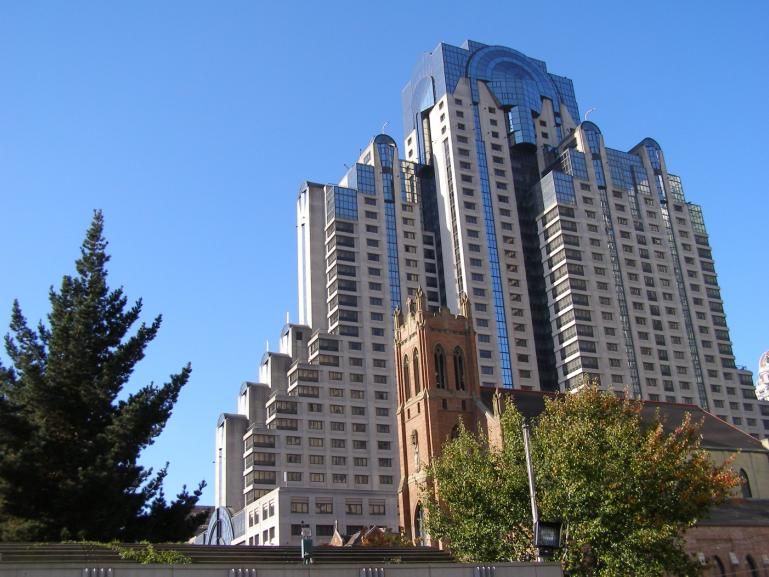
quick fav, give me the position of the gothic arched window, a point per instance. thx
(746, 492)
(459, 369)
(440, 367)
(419, 524)
(417, 383)
(406, 378)
(721, 570)
(752, 566)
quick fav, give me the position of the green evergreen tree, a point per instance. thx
(69, 442)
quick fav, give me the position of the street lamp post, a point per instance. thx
(547, 536)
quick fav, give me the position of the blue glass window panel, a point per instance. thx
(619, 169)
(695, 214)
(365, 179)
(654, 156)
(491, 240)
(564, 188)
(501, 67)
(520, 125)
(593, 140)
(454, 64)
(557, 188)
(345, 203)
(386, 156)
(573, 163)
(640, 178)
(676, 188)
(565, 88)
(516, 80)
(409, 182)
(598, 169)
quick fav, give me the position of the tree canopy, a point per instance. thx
(69, 440)
(625, 490)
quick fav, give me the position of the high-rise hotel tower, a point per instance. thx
(572, 259)
(579, 260)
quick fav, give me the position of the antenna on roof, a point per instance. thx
(385, 126)
(287, 317)
(267, 345)
(589, 111)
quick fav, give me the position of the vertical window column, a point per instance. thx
(491, 241)
(386, 154)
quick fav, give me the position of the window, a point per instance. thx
(440, 367)
(417, 386)
(746, 491)
(353, 508)
(296, 529)
(324, 530)
(459, 369)
(406, 378)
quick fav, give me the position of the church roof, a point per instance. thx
(716, 433)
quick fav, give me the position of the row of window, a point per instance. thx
(268, 441)
(325, 506)
(336, 478)
(439, 364)
(286, 424)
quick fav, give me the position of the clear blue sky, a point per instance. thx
(192, 125)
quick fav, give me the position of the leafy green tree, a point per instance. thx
(625, 490)
(476, 496)
(69, 441)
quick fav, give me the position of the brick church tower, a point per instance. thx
(437, 387)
